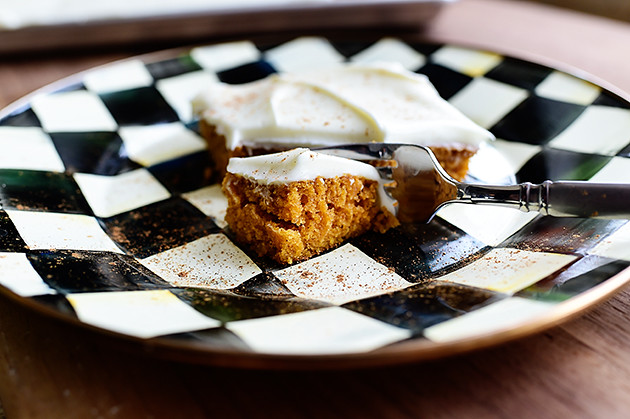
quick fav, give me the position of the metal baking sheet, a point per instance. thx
(73, 24)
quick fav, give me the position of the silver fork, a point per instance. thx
(421, 187)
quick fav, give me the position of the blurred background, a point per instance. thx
(616, 9)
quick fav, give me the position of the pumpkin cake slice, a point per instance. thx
(292, 205)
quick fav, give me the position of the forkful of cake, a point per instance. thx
(416, 181)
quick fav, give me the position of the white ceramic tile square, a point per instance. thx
(209, 262)
(509, 270)
(567, 88)
(615, 246)
(49, 230)
(112, 195)
(180, 90)
(153, 144)
(73, 112)
(391, 49)
(498, 100)
(471, 62)
(28, 148)
(18, 275)
(516, 154)
(143, 314)
(302, 54)
(491, 165)
(211, 201)
(331, 330)
(122, 75)
(616, 171)
(500, 316)
(475, 219)
(225, 56)
(342, 275)
(599, 129)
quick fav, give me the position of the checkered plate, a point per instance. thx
(110, 218)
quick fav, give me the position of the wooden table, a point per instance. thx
(580, 369)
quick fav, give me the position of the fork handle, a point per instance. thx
(558, 199)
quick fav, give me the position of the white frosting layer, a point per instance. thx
(298, 164)
(346, 104)
(303, 164)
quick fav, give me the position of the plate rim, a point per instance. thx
(403, 352)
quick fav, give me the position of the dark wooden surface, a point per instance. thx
(581, 369)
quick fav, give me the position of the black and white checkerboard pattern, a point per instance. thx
(109, 212)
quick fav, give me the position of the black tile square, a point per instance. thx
(265, 284)
(10, 239)
(577, 284)
(562, 235)
(607, 98)
(101, 153)
(172, 67)
(22, 117)
(625, 152)
(72, 87)
(217, 338)
(421, 251)
(397, 250)
(158, 227)
(73, 271)
(426, 48)
(446, 246)
(141, 106)
(350, 48)
(537, 120)
(266, 45)
(57, 302)
(227, 307)
(421, 306)
(247, 72)
(186, 173)
(579, 277)
(446, 81)
(41, 191)
(519, 73)
(555, 164)
(193, 126)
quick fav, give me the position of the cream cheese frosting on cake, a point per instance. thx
(298, 164)
(303, 164)
(349, 103)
